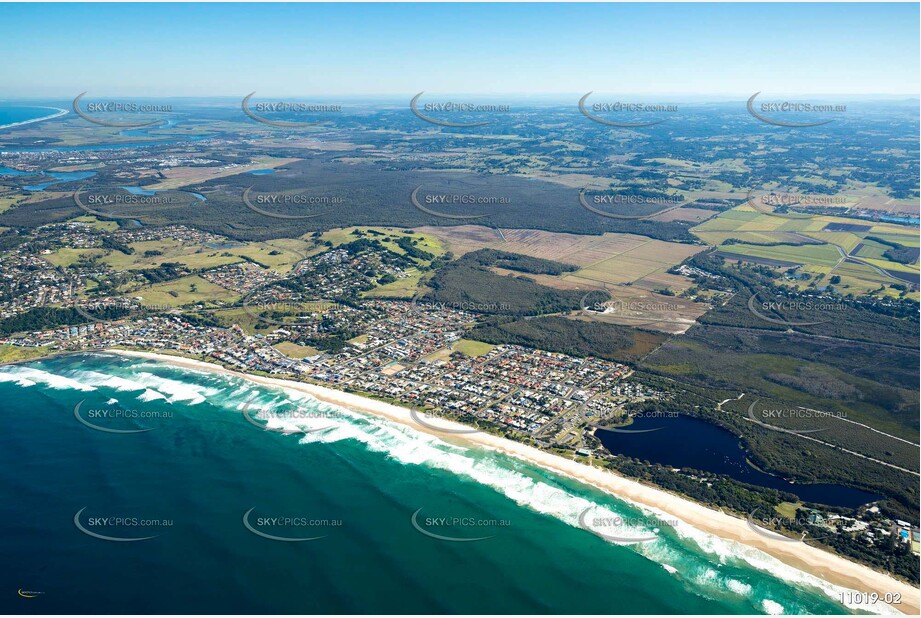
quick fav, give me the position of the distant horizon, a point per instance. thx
(534, 49)
(555, 97)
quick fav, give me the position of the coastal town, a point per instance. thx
(459, 310)
(412, 353)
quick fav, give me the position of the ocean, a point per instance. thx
(134, 486)
(14, 114)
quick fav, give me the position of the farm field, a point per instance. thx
(631, 268)
(821, 255)
(608, 259)
(693, 215)
(865, 271)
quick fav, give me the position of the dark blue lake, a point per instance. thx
(686, 442)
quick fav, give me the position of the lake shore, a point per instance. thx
(825, 566)
(60, 112)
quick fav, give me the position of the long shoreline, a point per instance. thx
(60, 112)
(829, 567)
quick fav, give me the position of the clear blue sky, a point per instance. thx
(350, 49)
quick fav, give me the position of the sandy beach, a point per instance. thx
(60, 112)
(829, 567)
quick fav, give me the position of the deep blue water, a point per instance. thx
(11, 114)
(685, 442)
(184, 488)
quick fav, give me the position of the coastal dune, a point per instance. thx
(824, 565)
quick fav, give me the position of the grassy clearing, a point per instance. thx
(401, 288)
(388, 237)
(184, 291)
(242, 318)
(470, 347)
(822, 255)
(105, 226)
(7, 202)
(292, 350)
(280, 255)
(63, 258)
(788, 509)
(12, 354)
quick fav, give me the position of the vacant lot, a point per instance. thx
(293, 350)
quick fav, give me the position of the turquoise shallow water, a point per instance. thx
(355, 483)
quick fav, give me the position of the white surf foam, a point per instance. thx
(29, 376)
